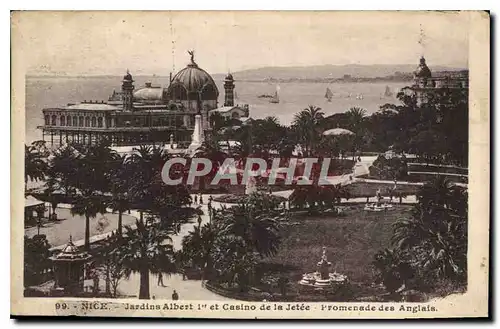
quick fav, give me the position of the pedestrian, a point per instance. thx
(195, 199)
(201, 199)
(175, 296)
(160, 280)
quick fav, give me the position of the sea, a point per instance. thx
(45, 92)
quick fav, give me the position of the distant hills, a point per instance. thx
(320, 73)
(332, 72)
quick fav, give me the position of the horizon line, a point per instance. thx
(454, 67)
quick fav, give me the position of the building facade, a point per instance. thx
(425, 82)
(148, 115)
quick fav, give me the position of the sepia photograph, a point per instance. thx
(245, 164)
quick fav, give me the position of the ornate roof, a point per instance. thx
(193, 80)
(149, 94)
(71, 253)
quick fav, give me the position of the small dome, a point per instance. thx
(71, 253)
(229, 76)
(423, 70)
(192, 82)
(149, 93)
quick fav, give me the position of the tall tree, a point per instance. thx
(119, 185)
(307, 125)
(88, 204)
(147, 249)
(35, 167)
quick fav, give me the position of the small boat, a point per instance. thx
(265, 96)
(388, 92)
(329, 94)
(276, 98)
(349, 95)
(359, 96)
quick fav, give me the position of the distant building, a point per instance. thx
(229, 110)
(425, 83)
(150, 114)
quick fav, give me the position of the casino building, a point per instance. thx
(147, 115)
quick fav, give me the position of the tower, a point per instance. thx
(127, 90)
(422, 81)
(229, 90)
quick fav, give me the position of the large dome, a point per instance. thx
(192, 82)
(423, 70)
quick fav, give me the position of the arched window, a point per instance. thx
(75, 121)
(94, 121)
(209, 93)
(80, 121)
(99, 122)
(87, 121)
(63, 120)
(68, 120)
(47, 120)
(178, 92)
(54, 120)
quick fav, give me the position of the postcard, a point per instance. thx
(250, 164)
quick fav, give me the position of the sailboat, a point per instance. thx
(276, 98)
(359, 96)
(235, 95)
(388, 92)
(328, 94)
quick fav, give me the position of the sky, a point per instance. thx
(101, 43)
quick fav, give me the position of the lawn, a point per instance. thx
(351, 242)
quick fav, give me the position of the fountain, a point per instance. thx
(323, 278)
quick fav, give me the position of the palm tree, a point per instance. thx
(34, 166)
(64, 170)
(436, 233)
(197, 246)
(356, 117)
(89, 205)
(258, 228)
(144, 168)
(217, 121)
(147, 249)
(120, 201)
(307, 124)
